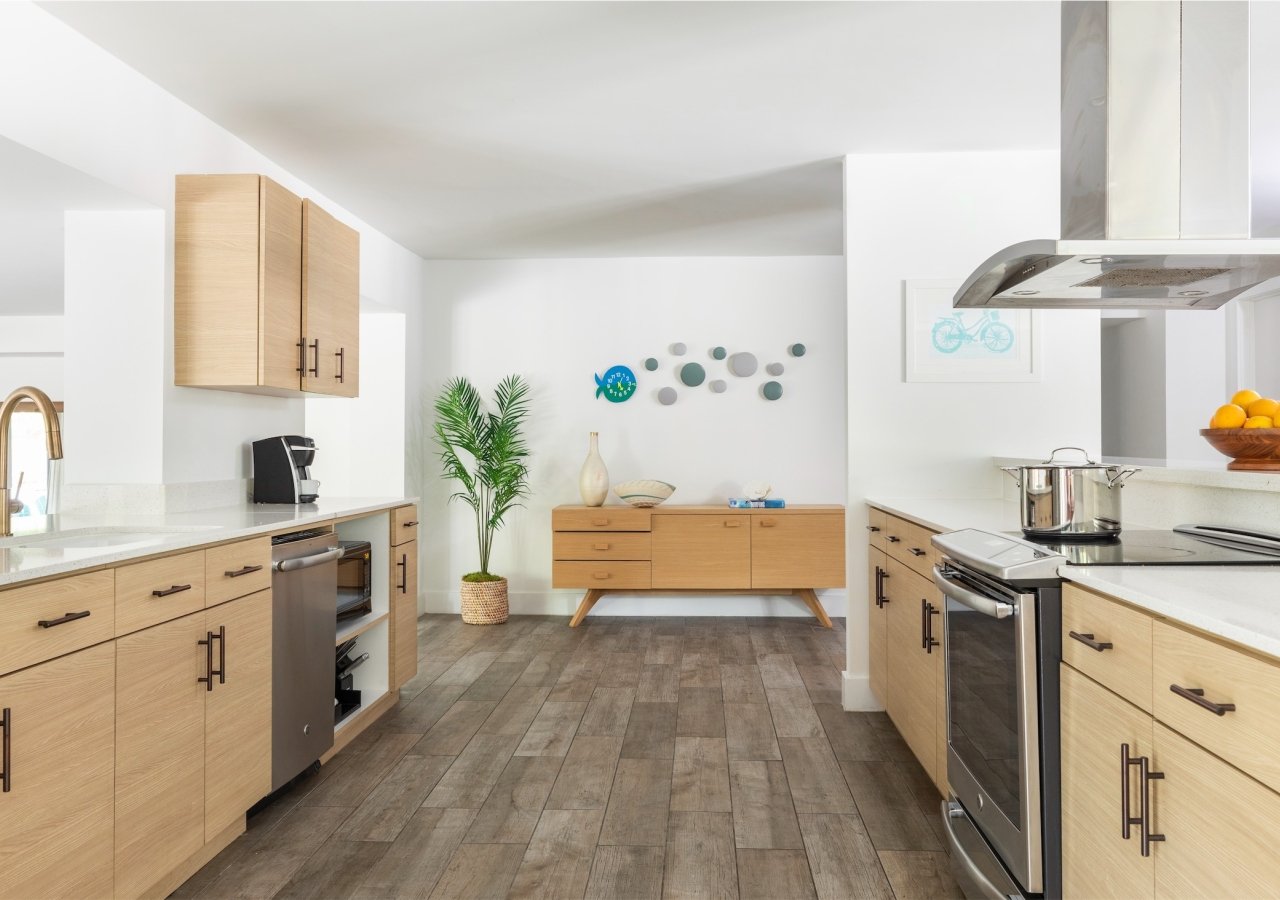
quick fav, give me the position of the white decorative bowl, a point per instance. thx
(643, 493)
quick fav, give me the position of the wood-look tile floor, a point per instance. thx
(627, 758)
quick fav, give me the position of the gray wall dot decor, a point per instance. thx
(667, 396)
(692, 374)
(743, 364)
(774, 368)
(717, 386)
(771, 390)
(678, 349)
(651, 364)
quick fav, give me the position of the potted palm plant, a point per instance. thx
(486, 454)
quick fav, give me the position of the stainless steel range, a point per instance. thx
(1003, 649)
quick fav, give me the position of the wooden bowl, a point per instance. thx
(1250, 449)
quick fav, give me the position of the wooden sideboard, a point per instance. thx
(691, 549)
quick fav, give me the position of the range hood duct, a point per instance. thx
(1158, 207)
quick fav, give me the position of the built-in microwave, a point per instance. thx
(355, 579)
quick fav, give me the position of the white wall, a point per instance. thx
(939, 216)
(559, 322)
(1133, 404)
(31, 352)
(67, 98)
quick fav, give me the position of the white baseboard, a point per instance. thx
(563, 603)
(856, 694)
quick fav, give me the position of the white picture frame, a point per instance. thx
(968, 345)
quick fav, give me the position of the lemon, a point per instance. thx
(1264, 407)
(1258, 422)
(1228, 416)
(1244, 398)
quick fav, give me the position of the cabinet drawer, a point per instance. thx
(609, 574)
(1125, 666)
(897, 533)
(24, 641)
(605, 518)
(1247, 736)
(583, 545)
(919, 549)
(237, 570)
(158, 590)
(877, 520)
(404, 525)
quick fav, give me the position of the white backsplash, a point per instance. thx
(154, 499)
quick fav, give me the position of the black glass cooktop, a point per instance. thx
(1208, 546)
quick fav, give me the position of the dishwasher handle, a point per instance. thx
(972, 599)
(306, 562)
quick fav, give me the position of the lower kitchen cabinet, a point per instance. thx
(913, 647)
(56, 815)
(404, 612)
(878, 624)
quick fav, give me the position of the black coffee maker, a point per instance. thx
(281, 472)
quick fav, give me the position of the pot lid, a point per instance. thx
(1086, 463)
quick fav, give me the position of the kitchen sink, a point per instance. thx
(94, 538)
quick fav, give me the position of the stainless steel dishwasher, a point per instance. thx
(304, 588)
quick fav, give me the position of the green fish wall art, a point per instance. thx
(616, 385)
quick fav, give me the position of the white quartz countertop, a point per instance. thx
(987, 514)
(28, 556)
(1238, 603)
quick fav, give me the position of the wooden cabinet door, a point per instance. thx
(912, 675)
(159, 751)
(791, 551)
(878, 624)
(237, 712)
(1221, 827)
(1096, 859)
(701, 551)
(330, 304)
(404, 613)
(280, 285)
(56, 818)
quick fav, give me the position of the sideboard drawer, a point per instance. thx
(404, 525)
(158, 590)
(1125, 665)
(584, 545)
(610, 574)
(237, 570)
(78, 612)
(603, 518)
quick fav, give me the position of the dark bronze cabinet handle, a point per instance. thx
(315, 348)
(1143, 818)
(221, 671)
(6, 724)
(247, 570)
(302, 356)
(1126, 820)
(928, 641)
(404, 573)
(916, 551)
(413, 524)
(342, 365)
(1087, 639)
(881, 597)
(1147, 776)
(873, 528)
(175, 589)
(222, 655)
(893, 540)
(63, 620)
(1196, 696)
(207, 644)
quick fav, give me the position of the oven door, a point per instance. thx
(993, 750)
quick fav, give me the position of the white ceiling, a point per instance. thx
(496, 129)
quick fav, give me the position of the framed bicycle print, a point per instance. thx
(980, 344)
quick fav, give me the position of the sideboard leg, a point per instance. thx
(588, 600)
(811, 600)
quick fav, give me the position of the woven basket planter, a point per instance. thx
(485, 602)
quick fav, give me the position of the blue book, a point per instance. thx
(767, 503)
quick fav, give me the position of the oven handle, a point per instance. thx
(972, 599)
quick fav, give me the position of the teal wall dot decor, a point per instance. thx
(771, 390)
(717, 386)
(797, 350)
(667, 396)
(692, 374)
(774, 369)
(678, 349)
(743, 365)
(651, 364)
(719, 353)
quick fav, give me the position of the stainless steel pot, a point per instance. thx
(1070, 500)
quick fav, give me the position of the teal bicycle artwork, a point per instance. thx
(950, 333)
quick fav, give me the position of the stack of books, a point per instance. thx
(767, 503)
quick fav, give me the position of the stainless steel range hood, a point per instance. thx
(1158, 207)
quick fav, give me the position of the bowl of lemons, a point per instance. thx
(1248, 430)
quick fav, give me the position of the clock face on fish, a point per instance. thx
(616, 385)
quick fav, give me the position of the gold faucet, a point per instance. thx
(52, 437)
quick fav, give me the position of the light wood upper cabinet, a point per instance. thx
(404, 612)
(787, 551)
(701, 551)
(159, 751)
(878, 621)
(249, 280)
(56, 819)
(237, 712)
(330, 304)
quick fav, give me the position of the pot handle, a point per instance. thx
(1014, 473)
(1121, 476)
(1083, 452)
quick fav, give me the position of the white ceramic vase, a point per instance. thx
(593, 482)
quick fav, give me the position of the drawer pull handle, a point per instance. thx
(413, 524)
(600, 523)
(1143, 819)
(342, 365)
(600, 576)
(403, 565)
(892, 539)
(873, 528)
(6, 724)
(767, 523)
(1196, 696)
(730, 523)
(916, 551)
(247, 570)
(1087, 639)
(601, 546)
(174, 589)
(63, 620)
(221, 671)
